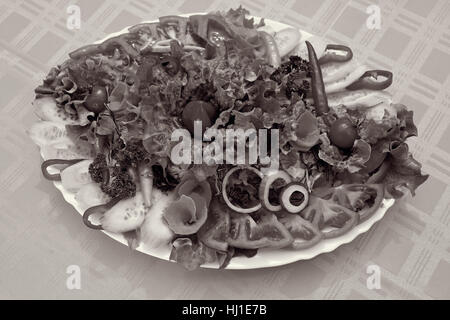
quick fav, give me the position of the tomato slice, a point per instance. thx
(246, 233)
(373, 194)
(364, 199)
(214, 232)
(305, 233)
(342, 207)
(331, 218)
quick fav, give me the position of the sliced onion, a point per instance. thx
(225, 196)
(264, 188)
(285, 197)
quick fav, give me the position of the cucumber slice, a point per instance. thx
(126, 215)
(47, 110)
(76, 176)
(348, 79)
(46, 133)
(91, 195)
(155, 231)
(334, 71)
(68, 151)
(286, 40)
(359, 99)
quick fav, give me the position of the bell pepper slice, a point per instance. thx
(369, 80)
(333, 57)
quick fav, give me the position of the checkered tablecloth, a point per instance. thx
(41, 235)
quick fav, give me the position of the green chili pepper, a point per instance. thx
(317, 85)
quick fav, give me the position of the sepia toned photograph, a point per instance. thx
(225, 154)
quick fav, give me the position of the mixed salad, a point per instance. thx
(109, 111)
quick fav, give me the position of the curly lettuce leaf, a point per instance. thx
(404, 171)
(105, 124)
(354, 162)
(228, 80)
(396, 183)
(158, 127)
(238, 17)
(390, 128)
(407, 128)
(292, 164)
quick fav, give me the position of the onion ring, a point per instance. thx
(225, 196)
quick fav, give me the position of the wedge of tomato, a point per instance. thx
(336, 210)
(214, 233)
(267, 232)
(305, 233)
(364, 199)
(332, 219)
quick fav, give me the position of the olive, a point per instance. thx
(96, 100)
(343, 133)
(199, 110)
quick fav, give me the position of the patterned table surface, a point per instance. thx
(41, 236)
